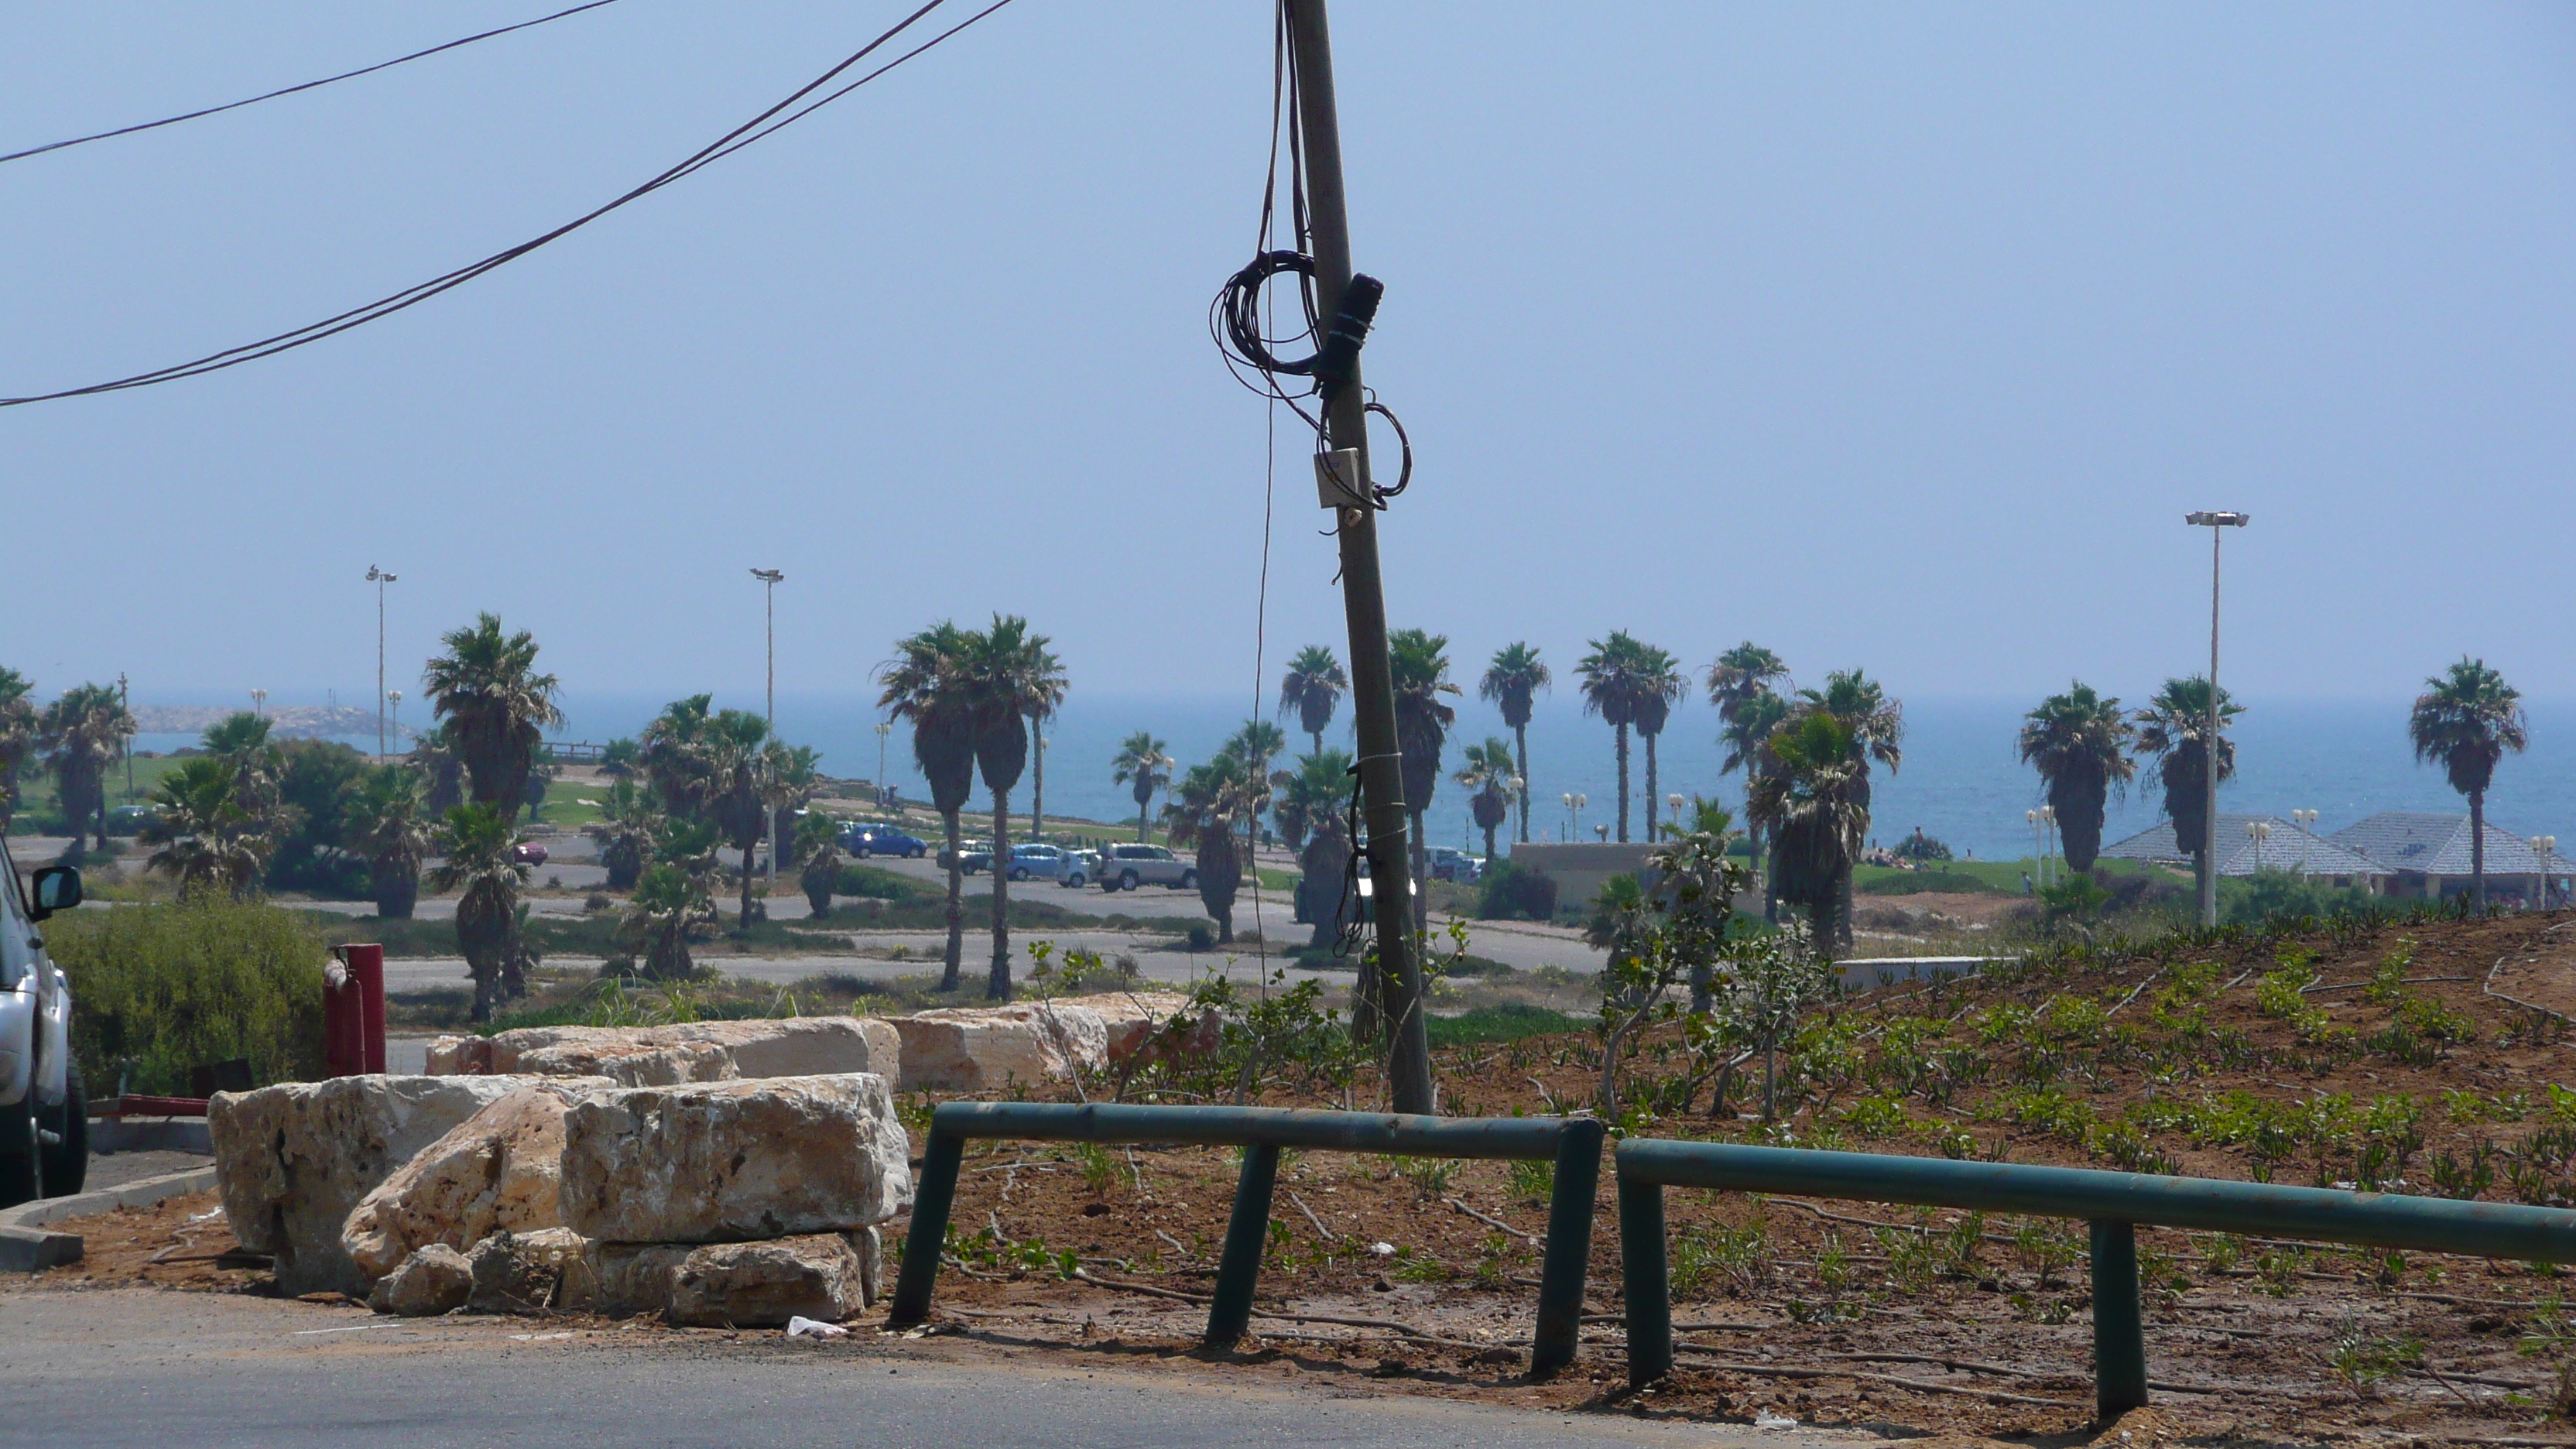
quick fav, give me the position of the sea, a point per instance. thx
(1959, 781)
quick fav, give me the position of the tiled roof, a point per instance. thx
(2288, 848)
(2432, 843)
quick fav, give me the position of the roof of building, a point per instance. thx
(2287, 848)
(2433, 843)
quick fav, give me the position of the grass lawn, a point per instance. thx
(2002, 876)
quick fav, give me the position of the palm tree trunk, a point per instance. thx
(997, 985)
(1520, 749)
(1489, 846)
(2478, 847)
(743, 921)
(1318, 737)
(1037, 777)
(1651, 796)
(956, 905)
(1144, 813)
(1623, 784)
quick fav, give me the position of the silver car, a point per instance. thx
(1125, 867)
(44, 1124)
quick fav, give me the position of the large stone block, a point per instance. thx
(437, 1279)
(742, 1285)
(987, 1048)
(727, 1161)
(292, 1160)
(551, 1268)
(499, 1170)
(697, 1051)
(1146, 1026)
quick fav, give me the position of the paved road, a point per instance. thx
(139, 1366)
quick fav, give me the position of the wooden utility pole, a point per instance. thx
(1363, 598)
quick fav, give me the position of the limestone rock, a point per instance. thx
(1147, 1026)
(435, 1279)
(763, 1284)
(292, 1160)
(531, 1272)
(697, 1051)
(726, 1161)
(498, 1170)
(987, 1048)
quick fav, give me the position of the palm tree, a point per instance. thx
(1202, 814)
(1660, 685)
(236, 734)
(206, 838)
(81, 734)
(1489, 773)
(741, 761)
(1420, 662)
(1050, 682)
(389, 825)
(1314, 684)
(923, 687)
(1310, 809)
(2466, 720)
(1877, 728)
(2079, 743)
(1614, 687)
(630, 818)
(1744, 673)
(817, 843)
(1006, 677)
(1814, 801)
(674, 897)
(475, 859)
(1512, 682)
(2173, 733)
(496, 708)
(17, 738)
(442, 769)
(1143, 766)
(1307, 795)
(1749, 711)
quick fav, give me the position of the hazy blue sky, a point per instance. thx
(1891, 336)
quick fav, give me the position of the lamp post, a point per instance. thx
(2304, 819)
(125, 702)
(1574, 804)
(769, 581)
(2258, 831)
(1520, 796)
(393, 703)
(2216, 521)
(259, 703)
(2542, 847)
(884, 728)
(380, 578)
(1676, 800)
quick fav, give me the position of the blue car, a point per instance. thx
(863, 841)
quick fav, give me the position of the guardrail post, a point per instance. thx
(1569, 1247)
(1647, 1280)
(1240, 1269)
(934, 1192)
(2119, 1333)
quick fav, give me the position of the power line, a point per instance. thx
(291, 90)
(769, 122)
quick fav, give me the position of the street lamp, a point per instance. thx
(1676, 800)
(2542, 847)
(884, 728)
(393, 702)
(769, 581)
(380, 578)
(259, 703)
(125, 702)
(2258, 831)
(2216, 521)
(2304, 819)
(1574, 804)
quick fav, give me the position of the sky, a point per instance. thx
(1890, 337)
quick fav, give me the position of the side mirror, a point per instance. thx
(58, 888)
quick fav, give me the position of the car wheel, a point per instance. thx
(22, 1175)
(858, 852)
(917, 851)
(1019, 873)
(1126, 880)
(66, 1161)
(1189, 881)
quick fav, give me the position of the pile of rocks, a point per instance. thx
(738, 1202)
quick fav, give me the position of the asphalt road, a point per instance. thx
(142, 1366)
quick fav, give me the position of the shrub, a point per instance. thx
(180, 986)
(1201, 938)
(1511, 892)
(883, 885)
(1920, 882)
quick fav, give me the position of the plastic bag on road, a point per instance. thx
(800, 1327)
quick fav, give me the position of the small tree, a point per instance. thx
(817, 844)
(1680, 931)
(474, 843)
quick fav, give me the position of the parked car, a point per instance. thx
(973, 855)
(1038, 860)
(864, 840)
(528, 852)
(1125, 867)
(1450, 863)
(1081, 868)
(44, 1121)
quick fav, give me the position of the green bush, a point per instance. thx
(883, 885)
(1509, 1021)
(1512, 892)
(181, 986)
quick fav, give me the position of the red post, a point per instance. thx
(344, 1048)
(367, 971)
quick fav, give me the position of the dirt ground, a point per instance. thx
(2373, 1055)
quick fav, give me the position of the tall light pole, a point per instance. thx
(380, 578)
(2260, 832)
(259, 703)
(884, 728)
(1675, 800)
(125, 702)
(2542, 847)
(2217, 522)
(393, 702)
(769, 581)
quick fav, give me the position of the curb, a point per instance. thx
(25, 1245)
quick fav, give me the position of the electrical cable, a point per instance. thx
(306, 86)
(768, 123)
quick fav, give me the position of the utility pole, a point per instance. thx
(125, 702)
(380, 578)
(2215, 522)
(769, 581)
(1363, 595)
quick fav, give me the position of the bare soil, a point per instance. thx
(2370, 1054)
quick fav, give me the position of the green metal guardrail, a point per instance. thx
(1572, 1143)
(2113, 1202)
